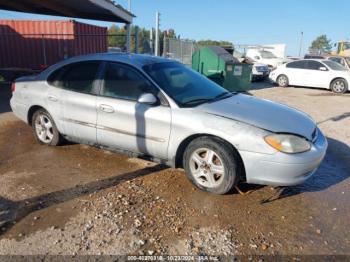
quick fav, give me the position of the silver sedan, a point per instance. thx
(163, 111)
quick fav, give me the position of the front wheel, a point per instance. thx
(339, 86)
(211, 165)
(283, 81)
(45, 130)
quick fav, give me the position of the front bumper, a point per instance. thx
(282, 169)
(260, 73)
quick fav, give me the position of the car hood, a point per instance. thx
(262, 113)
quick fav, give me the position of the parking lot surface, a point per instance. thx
(76, 199)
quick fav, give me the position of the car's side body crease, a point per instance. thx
(114, 130)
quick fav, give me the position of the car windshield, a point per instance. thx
(267, 54)
(334, 66)
(348, 60)
(187, 87)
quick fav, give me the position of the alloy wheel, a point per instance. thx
(207, 167)
(44, 128)
(338, 86)
(282, 81)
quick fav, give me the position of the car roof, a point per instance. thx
(137, 60)
(310, 59)
(314, 59)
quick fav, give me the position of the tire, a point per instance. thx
(45, 130)
(283, 81)
(200, 171)
(339, 86)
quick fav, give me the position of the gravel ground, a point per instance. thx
(80, 200)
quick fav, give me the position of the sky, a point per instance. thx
(240, 21)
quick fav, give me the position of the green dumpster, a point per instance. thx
(220, 66)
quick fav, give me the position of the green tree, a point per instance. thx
(209, 42)
(321, 45)
(117, 38)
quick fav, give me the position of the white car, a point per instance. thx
(265, 57)
(312, 73)
(260, 72)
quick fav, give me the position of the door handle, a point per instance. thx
(107, 108)
(53, 98)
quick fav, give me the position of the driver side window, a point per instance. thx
(314, 65)
(123, 82)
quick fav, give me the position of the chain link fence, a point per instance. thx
(138, 43)
(179, 49)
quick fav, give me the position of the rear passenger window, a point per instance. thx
(124, 82)
(297, 64)
(78, 77)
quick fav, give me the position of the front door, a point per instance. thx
(296, 72)
(315, 76)
(122, 122)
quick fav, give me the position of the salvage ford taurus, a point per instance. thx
(160, 109)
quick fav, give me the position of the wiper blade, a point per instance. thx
(199, 100)
(222, 96)
(209, 100)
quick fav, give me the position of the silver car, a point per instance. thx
(161, 110)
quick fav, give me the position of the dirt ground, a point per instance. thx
(76, 199)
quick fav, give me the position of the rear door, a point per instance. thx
(122, 122)
(77, 99)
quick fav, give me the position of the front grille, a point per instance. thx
(262, 69)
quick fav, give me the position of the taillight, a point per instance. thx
(13, 87)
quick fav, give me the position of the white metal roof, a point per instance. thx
(104, 10)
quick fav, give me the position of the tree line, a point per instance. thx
(116, 38)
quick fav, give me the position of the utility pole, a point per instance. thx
(156, 45)
(301, 43)
(151, 41)
(128, 31)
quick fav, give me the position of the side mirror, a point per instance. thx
(148, 99)
(323, 68)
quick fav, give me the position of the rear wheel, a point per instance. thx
(283, 81)
(211, 165)
(339, 86)
(45, 130)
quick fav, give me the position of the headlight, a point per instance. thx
(290, 144)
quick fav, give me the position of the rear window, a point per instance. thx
(297, 64)
(78, 77)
